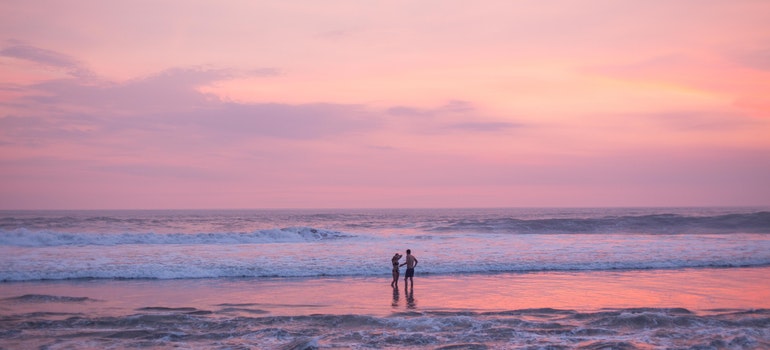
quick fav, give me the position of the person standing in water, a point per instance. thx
(394, 260)
(411, 263)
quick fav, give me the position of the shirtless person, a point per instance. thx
(411, 263)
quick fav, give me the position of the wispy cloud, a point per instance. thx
(46, 57)
(170, 101)
(552, 102)
(454, 116)
(451, 107)
(701, 121)
(485, 126)
(756, 59)
(172, 89)
(306, 121)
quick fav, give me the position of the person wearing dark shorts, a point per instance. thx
(411, 263)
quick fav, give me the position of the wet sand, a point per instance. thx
(698, 290)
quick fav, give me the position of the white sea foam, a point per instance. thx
(658, 223)
(177, 245)
(28, 238)
(365, 255)
(633, 328)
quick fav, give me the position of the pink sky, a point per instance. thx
(280, 104)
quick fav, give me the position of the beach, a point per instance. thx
(622, 309)
(649, 278)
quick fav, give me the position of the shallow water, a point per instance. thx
(689, 308)
(539, 328)
(213, 244)
(604, 278)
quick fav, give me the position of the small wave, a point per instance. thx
(301, 344)
(644, 318)
(175, 310)
(28, 238)
(758, 222)
(168, 309)
(552, 328)
(42, 298)
(239, 310)
(472, 346)
(235, 269)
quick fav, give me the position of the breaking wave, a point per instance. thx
(758, 222)
(43, 298)
(27, 238)
(188, 327)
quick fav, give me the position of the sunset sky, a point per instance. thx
(345, 104)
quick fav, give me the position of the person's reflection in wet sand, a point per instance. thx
(411, 303)
(396, 296)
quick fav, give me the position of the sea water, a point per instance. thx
(486, 278)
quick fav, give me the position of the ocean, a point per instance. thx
(531, 278)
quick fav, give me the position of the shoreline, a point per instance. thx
(698, 290)
(686, 308)
(427, 274)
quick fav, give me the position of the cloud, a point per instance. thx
(758, 59)
(173, 89)
(161, 171)
(46, 57)
(457, 106)
(694, 121)
(263, 72)
(454, 116)
(36, 131)
(305, 121)
(651, 67)
(484, 126)
(169, 106)
(452, 107)
(167, 90)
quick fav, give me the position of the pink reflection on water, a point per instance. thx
(698, 290)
